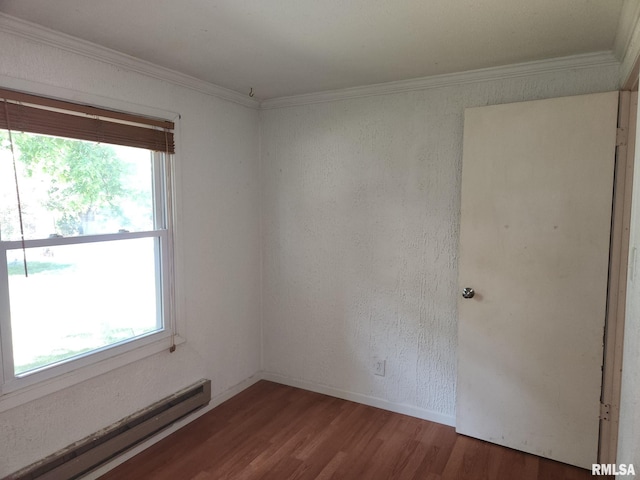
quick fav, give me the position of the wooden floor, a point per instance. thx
(271, 431)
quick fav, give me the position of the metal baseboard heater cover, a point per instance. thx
(83, 456)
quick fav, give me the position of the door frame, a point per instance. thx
(617, 288)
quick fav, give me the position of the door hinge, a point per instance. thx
(605, 412)
(621, 137)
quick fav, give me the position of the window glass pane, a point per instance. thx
(79, 298)
(73, 187)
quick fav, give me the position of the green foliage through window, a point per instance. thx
(79, 183)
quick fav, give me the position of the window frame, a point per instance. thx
(15, 389)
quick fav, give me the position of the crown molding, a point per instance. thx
(46, 36)
(574, 62)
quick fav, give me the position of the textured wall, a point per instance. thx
(360, 234)
(218, 248)
(629, 430)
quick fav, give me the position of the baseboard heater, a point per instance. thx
(83, 456)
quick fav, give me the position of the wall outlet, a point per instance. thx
(379, 366)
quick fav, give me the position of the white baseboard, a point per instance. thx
(404, 409)
(215, 401)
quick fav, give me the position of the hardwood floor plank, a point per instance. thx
(353, 432)
(276, 432)
(514, 464)
(468, 460)
(440, 441)
(330, 468)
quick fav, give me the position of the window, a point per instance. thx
(85, 235)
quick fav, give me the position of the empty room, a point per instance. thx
(357, 239)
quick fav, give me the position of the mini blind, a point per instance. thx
(31, 113)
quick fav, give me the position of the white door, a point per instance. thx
(537, 185)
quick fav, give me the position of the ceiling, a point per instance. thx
(288, 47)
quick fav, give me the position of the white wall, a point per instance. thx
(361, 203)
(218, 254)
(631, 10)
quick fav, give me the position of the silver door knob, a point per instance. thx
(468, 292)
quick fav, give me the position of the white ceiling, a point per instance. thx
(288, 47)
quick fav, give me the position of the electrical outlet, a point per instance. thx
(379, 366)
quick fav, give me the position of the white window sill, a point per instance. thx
(24, 394)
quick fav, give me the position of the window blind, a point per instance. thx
(46, 116)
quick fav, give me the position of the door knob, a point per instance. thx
(468, 292)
